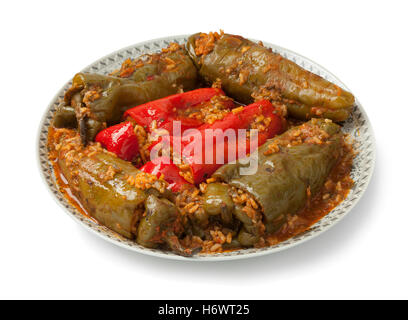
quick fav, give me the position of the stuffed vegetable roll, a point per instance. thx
(96, 101)
(292, 168)
(111, 190)
(248, 70)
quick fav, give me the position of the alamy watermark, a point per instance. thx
(208, 146)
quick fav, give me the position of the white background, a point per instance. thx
(45, 254)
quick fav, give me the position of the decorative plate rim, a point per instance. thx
(367, 145)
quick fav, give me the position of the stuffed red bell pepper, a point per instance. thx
(184, 107)
(121, 140)
(259, 115)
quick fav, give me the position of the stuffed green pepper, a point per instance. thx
(292, 168)
(248, 70)
(110, 189)
(95, 101)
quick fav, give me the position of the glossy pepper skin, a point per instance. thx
(246, 68)
(65, 117)
(121, 140)
(218, 202)
(283, 178)
(100, 100)
(216, 199)
(164, 166)
(233, 121)
(157, 225)
(164, 111)
(109, 199)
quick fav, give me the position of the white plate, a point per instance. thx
(358, 126)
